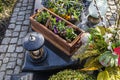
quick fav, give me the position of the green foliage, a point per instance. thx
(42, 17)
(1, 9)
(63, 30)
(70, 34)
(60, 26)
(97, 39)
(6, 7)
(57, 25)
(71, 75)
(70, 8)
(108, 59)
(6, 3)
(114, 73)
(103, 75)
(92, 64)
(88, 53)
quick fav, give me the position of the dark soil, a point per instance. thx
(3, 26)
(6, 8)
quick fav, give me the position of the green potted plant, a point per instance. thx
(69, 10)
(59, 27)
(42, 17)
(57, 30)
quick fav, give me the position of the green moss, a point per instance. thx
(6, 7)
(71, 75)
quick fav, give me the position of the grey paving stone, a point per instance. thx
(14, 40)
(14, 14)
(24, 28)
(20, 18)
(23, 8)
(15, 34)
(28, 11)
(6, 40)
(7, 55)
(19, 22)
(11, 48)
(0, 63)
(24, 4)
(26, 22)
(25, 1)
(8, 33)
(22, 34)
(7, 77)
(19, 62)
(5, 60)
(9, 71)
(21, 13)
(18, 5)
(16, 9)
(3, 48)
(29, 7)
(17, 28)
(17, 70)
(111, 2)
(27, 16)
(19, 49)
(11, 65)
(30, 30)
(113, 7)
(31, 1)
(2, 75)
(11, 26)
(13, 19)
(20, 55)
(2, 55)
(19, 42)
(30, 4)
(14, 55)
(112, 22)
(9, 59)
(3, 67)
(13, 59)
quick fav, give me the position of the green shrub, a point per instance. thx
(71, 75)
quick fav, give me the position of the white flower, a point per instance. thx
(109, 46)
(107, 37)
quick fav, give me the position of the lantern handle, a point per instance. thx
(32, 37)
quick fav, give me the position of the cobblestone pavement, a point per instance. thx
(11, 50)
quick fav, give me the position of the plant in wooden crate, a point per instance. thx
(57, 30)
(69, 10)
(59, 27)
(42, 17)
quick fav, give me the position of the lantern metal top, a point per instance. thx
(33, 41)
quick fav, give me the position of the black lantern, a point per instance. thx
(43, 56)
(33, 43)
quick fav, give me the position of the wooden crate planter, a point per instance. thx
(67, 47)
